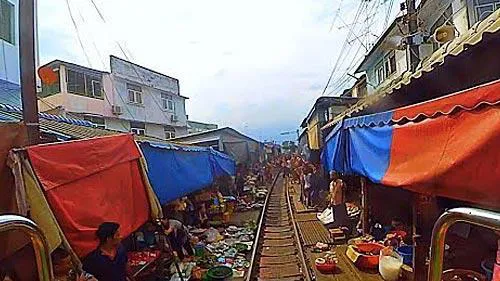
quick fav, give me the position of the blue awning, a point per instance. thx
(175, 171)
(354, 137)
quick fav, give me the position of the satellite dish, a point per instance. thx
(444, 33)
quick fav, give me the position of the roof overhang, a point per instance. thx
(452, 49)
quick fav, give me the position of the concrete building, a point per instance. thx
(149, 100)
(9, 41)
(198, 127)
(129, 98)
(388, 60)
(323, 110)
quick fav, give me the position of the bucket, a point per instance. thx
(406, 252)
(390, 265)
(199, 249)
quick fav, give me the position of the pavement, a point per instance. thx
(312, 231)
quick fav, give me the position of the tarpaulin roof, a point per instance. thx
(447, 147)
(175, 170)
(12, 135)
(91, 181)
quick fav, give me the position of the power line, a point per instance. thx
(78, 33)
(368, 22)
(344, 45)
(122, 49)
(90, 64)
(337, 13)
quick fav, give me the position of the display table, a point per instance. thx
(140, 261)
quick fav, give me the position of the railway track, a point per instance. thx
(278, 253)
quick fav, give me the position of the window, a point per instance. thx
(134, 93)
(7, 21)
(167, 102)
(94, 88)
(385, 68)
(484, 8)
(380, 73)
(96, 120)
(76, 82)
(138, 128)
(169, 132)
(84, 84)
(390, 64)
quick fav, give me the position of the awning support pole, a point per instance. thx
(425, 213)
(473, 216)
(40, 244)
(365, 221)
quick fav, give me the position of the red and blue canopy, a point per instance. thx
(447, 147)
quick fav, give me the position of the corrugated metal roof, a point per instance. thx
(58, 118)
(453, 48)
(10, 93)
(69, 130)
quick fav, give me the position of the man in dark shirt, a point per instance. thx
(109, 261)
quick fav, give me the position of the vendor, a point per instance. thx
(178, 236)
(202, 215)
(336, 189)
(109, 261)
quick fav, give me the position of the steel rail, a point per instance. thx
(259, 230)
(254, 270)
(305, 266)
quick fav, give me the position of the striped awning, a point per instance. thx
(450, 49)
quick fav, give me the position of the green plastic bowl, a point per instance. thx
(221, 273)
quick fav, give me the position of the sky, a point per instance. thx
(256, 66)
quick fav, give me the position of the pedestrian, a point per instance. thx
(108, 262)
(307, 186)
(240, 183)
(178, 237)
(315, 186)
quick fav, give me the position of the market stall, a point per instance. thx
(460, 133)
(175, 170)
(95, 180)
(71, 188)
(459, 165)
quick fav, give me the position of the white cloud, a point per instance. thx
(255, 65)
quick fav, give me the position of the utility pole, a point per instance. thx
(411, 18)
(27, 65)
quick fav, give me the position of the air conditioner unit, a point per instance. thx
(174, 118)
(116, 109)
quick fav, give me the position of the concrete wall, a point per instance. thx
(9, 53)
(117, 124)
(371, 73)
(150, 111)
(429, 14)
(155, 130)
(143, 76)
(152, 85)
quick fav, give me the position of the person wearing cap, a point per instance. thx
(108, 262)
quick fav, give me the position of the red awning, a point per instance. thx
(446, 147)
(91, 181)
(470, 99)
